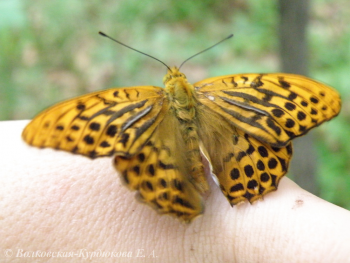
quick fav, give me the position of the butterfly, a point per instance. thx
(161, 138)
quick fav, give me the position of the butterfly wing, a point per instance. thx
(254, 117)
(137, 126)
(246, 168)
(273, 108)
(160, 173)
(100, 124)
(253, 170)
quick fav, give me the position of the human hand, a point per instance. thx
(53, 201)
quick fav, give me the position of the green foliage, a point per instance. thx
(50, 51)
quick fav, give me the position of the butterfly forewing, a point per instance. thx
(102, 123)
(274, 108)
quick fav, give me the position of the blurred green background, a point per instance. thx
(50, 51)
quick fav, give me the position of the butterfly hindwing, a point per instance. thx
(246, 168)
(252, 169)
(160, 173)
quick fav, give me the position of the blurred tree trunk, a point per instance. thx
(294, 59)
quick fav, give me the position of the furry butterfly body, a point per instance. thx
(242, 124)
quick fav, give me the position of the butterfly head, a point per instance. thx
(172, 75)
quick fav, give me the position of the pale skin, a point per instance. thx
(53, 201)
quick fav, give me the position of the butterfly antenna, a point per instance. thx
(103, 34)
(228, 37)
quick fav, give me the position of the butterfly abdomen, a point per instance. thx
(190, 136)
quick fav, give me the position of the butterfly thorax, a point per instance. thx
(183, 102)
(181, 94)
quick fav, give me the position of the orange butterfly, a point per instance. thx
(242, 124)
